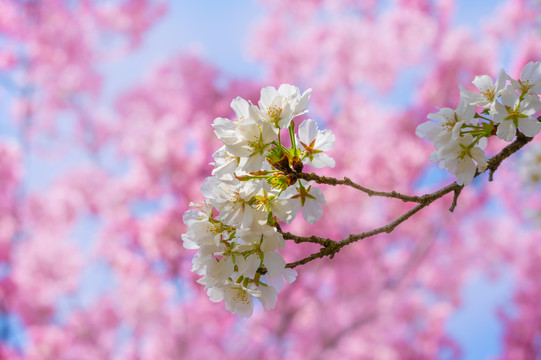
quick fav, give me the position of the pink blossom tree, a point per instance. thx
(92, 264)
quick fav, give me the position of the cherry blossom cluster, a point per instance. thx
(254, 186)
(503, 107)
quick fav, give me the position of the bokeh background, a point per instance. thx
(105, 137)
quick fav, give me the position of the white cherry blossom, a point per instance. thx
(201, 229)
(308, 199)
(224, 164)
(266, 236)
(219, 271)
(530, 79)
(268, 200)
(448, 124)
(458, 158)
(514, 112)
(227, 130)
(253, 142)
(239, 298)
(489, 90)
(248, 266)
(279, 107)
(231, 200)
(314, 142)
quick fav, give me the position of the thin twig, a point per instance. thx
(346, 181)
(455, 198)
(313, 239)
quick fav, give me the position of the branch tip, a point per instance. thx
(455, 198)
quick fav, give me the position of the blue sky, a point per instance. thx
(214, 29)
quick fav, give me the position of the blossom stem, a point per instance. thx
(477, 116)
(292, 135)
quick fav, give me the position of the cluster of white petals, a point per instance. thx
(506, 106)
(252, 188)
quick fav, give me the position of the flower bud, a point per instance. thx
(279, 160)
(297, 164)
(291, 179)
(279, 181)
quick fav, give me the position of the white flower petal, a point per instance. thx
(529, 126)
(428, 129)
(268, 94)
(248, 266)
(325, 140)
(215, 294)
(290, 275)
(322, 160)
(509, 97)
(311, 211)
(289, 91)
(307, 131)
(274, 262)
(275, 281)
(225, 130)
(480, 158)
(506, 131)
(318, 194)
(303, 102)
(268, 297)
(465, 171)
(483, 83)
(241, 108)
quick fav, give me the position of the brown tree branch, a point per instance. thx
(331, 247)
